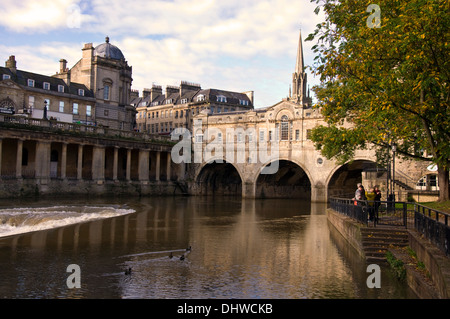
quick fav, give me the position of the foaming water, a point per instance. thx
(15, 221)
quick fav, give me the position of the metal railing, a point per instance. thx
(433, 225)
(429, 222)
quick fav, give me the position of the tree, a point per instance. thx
(384, 73)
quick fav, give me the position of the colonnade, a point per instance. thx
(44, 160)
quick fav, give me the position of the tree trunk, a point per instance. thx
(443, 177)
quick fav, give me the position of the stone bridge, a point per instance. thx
(227, 158)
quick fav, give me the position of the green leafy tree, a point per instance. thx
(384, 73)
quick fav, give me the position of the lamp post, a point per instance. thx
(45, 110)
(394, 149)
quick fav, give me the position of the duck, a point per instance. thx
(182, 257)
(128, 271)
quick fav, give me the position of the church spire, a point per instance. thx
(299, 66)
(299, 77)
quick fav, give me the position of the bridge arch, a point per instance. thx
(291, 180)
(218, 177)
(343, 179)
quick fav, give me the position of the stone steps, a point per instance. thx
(376, 241)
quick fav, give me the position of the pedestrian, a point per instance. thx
(377, 200)
(360, 193)
(370, 195)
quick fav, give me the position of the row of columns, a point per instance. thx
(43, 160)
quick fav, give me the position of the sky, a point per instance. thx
(234, 45)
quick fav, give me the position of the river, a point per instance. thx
(240, 249)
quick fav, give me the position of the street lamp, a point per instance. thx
(45, 110)
(394, 149)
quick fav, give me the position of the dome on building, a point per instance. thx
(109, 51)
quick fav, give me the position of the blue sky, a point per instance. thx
(245, 45)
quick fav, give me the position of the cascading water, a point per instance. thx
(23, 220)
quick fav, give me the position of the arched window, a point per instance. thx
(284, 128)
(7, 106)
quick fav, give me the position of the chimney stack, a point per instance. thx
(62, 66)
(11, 64)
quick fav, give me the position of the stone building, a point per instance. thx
(162, 113)
(234, 153)
(95, 91)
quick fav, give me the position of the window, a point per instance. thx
(243, 102)
(199, 136)
(61, 88)
(181, 113)
(61, 106)
(219, 137)
(80, 92)
(31, 102)
(184, 101)
(6, 76)
(176, 114)
(308, 134)
(106, 92)
(200, 98)
(297, 135)
(46, 86)
(169, 101)
(30, 82)
(221, 98)
(75, 108)
(88, 110)
(261, 136)
(284, 128)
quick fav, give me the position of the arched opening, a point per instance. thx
(344, 180)
(54, 159)
(290, 181)
(219, 179)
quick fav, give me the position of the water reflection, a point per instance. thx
(240, 249)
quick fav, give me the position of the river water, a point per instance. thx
(240, 249)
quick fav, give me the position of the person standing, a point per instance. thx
(370, 195)
(377, 200)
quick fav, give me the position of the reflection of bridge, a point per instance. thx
(302, 171)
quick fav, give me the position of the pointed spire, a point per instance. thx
(299, 66)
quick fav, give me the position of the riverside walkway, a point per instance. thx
(414, 235)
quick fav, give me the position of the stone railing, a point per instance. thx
(51, 125)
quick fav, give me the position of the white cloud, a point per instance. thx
(40, 16)
(234, 45)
